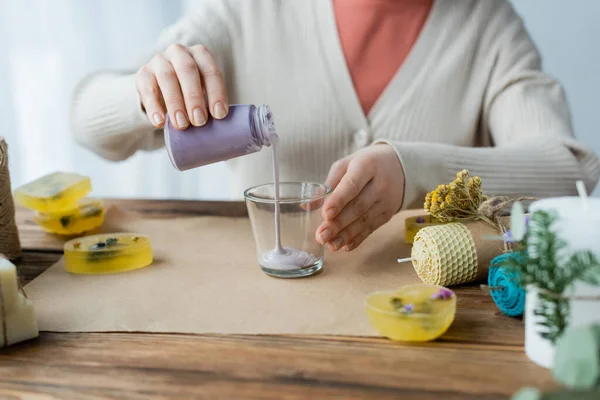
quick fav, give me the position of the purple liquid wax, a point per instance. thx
(281, 258)
(245, 130)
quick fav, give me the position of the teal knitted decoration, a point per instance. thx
(506, 291)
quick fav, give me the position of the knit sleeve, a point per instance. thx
(526, 116)
(106, 115)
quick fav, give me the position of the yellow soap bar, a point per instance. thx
(413, 313)
(58, 191)
(108, 253)
(415, 224)
(87, 216)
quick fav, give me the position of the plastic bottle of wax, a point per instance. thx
(245, 130)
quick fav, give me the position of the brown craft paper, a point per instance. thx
(10, 245)
(206, 279)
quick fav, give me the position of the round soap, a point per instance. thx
(59, 191)
(87, 216)
(413, 313)
(108, 253)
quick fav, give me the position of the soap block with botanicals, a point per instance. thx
(413, 313)
(88, 216)
(59, 191)
(17, 314)
(108, 253)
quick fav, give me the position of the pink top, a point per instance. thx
(376, 38)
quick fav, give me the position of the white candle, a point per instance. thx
(17, 315)
(581, 231)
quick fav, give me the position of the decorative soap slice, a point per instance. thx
(413, 313)
(88, 216)
(19, 322)
(59, 191)
(108, 253)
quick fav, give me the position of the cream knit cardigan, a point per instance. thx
(471, 94)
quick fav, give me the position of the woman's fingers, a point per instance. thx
(180, 83)
(352, 183)
(355, 210)
(358, 231)
(188, 75)
(150, 96)
(214, 83)
(363, 224)
(337, 172)
(171, 91)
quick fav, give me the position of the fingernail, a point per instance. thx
(181, 119)
(337, 243)
(219, 110)
(325, 235)
(330, 213)
(158, 119)
(349, 246)
(199, 117)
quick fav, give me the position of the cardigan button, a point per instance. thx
(361, 138)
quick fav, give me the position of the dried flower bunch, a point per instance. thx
(457, 201)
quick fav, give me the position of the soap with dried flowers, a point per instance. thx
(58, 191)
(88, 216)
(108, 253)
(413, 313)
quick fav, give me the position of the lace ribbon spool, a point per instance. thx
(455, 253)
(10, 245)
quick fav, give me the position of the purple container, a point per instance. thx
(245, 130)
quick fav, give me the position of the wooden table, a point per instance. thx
(480, 357)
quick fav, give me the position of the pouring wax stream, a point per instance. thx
(245, 130)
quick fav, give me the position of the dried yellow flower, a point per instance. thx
(462, 175)
(475, 181)
(434, 208)
(459, 200)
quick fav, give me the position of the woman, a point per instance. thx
(382, 99)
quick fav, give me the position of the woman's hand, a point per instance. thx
(368, 190)
(180, 81)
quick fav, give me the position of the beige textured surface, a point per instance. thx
(205, 279)
(445, 255)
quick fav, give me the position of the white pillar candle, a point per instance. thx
(580, 229)
(17, 315)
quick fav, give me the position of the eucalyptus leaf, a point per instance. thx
(577, 358)
(518, 222)
(527, 393)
